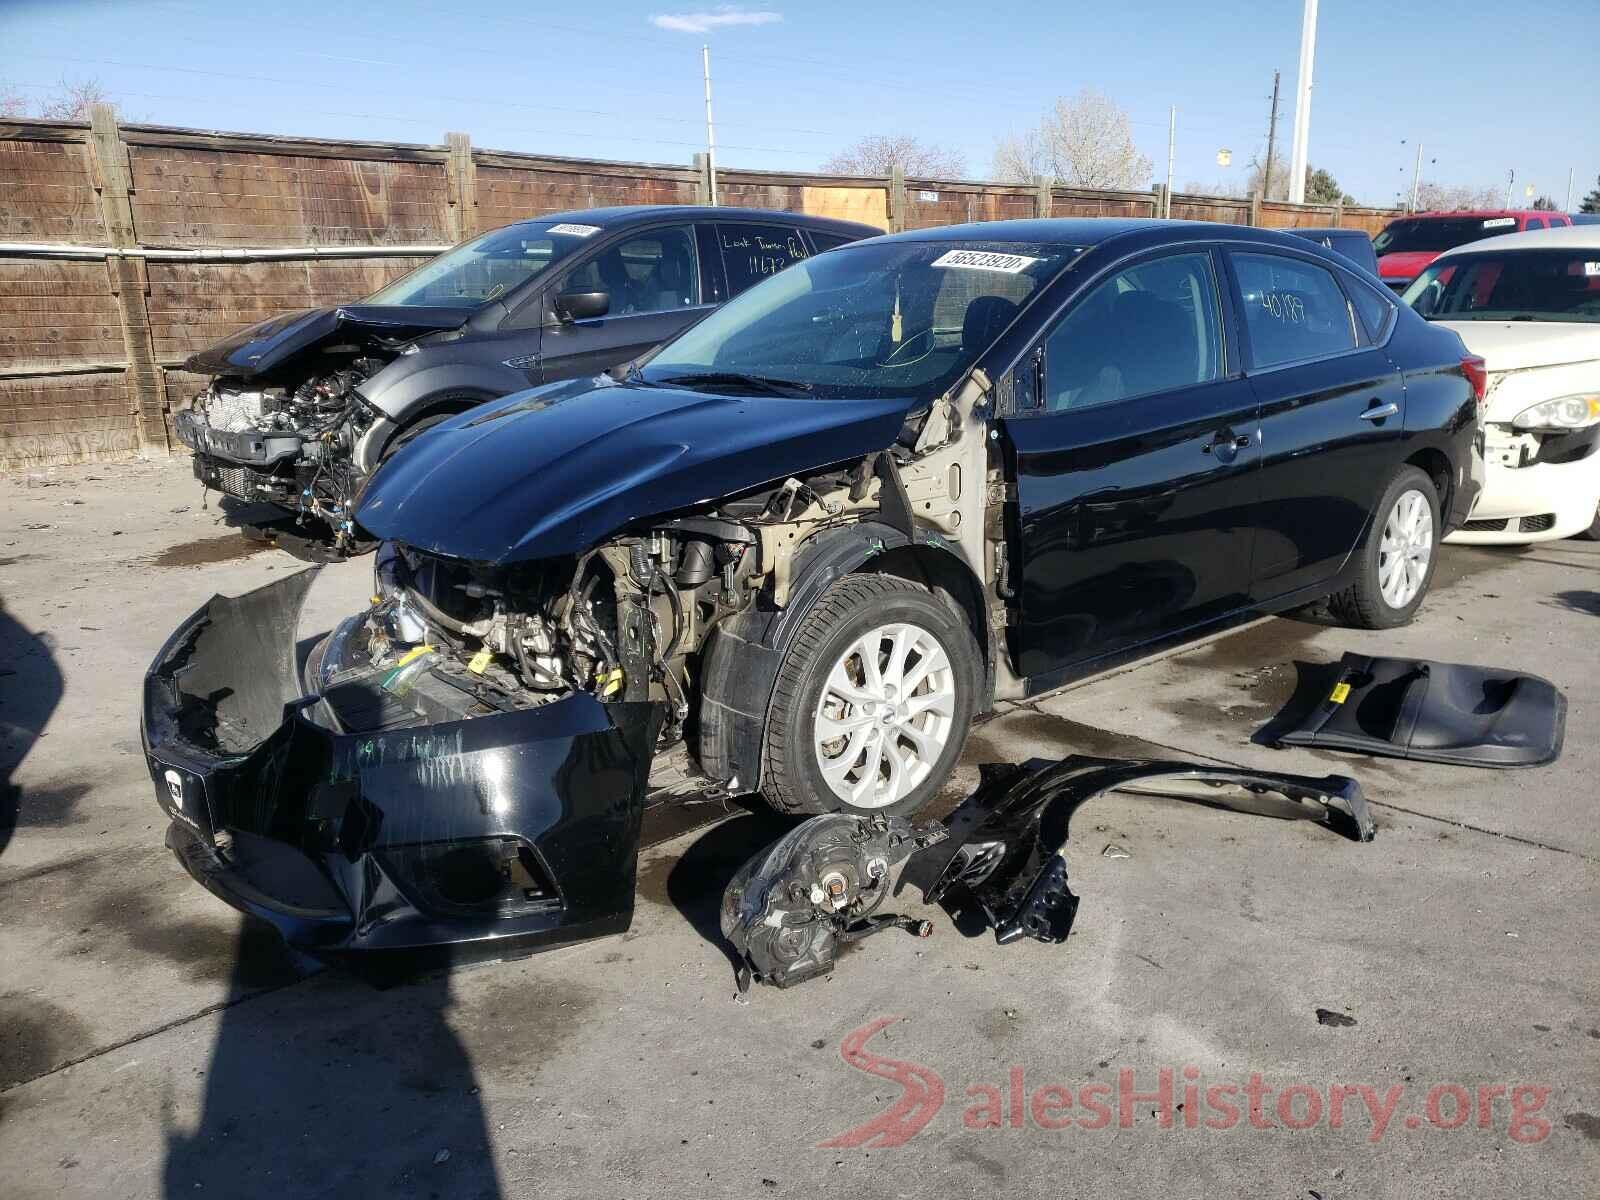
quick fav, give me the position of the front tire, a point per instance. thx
(873, 701)
(1397, 558)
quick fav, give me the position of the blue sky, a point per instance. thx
(1485, 86)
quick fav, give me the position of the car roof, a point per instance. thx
(1336, 231)
(1478, 212)
(1092, 231)
(1562, 237)
(621, 215)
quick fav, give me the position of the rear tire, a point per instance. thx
(1397, 558)
(873, 701)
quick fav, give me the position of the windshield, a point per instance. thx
(1439, 233)
(892, 319)
(487, 267)
(1526, 285)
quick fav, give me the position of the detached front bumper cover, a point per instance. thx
(475, 839)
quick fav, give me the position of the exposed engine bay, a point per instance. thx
(292, 445)
(630, 618)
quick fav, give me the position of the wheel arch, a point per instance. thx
(739, 669)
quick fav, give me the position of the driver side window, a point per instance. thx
(1152, 327)
(653, 272)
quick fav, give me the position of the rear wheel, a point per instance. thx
(873, 701)
(1397, 558)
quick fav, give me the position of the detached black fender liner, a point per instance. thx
(483, 838)
(1001, 865)
(1440, 712)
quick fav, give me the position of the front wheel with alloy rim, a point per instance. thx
(872, 702)
(1397, 558)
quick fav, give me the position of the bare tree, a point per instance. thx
(879, 154)
(69, 102)
(1438, 197)
(1083, 141)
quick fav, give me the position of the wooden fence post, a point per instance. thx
(1255, 209)
(1338, 213)
(702, 178)
(1042, 198)
(461, 173)
(128, 278)
(897, 200)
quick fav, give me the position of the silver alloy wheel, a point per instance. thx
(1406, 549)
(885, 715)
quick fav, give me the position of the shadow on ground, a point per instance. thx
(30, 689)
(333, 1088)
(694, 881)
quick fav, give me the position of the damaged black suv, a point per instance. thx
(303, 407)
(805, 542)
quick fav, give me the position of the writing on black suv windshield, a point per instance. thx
(893, 319)
(488, 267)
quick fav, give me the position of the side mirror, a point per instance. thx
(581, 306)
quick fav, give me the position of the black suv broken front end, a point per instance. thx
(378, 812)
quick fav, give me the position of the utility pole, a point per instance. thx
(1172, 135)
(1567, 207)
(711, 129)
(1302, 103)
(1416, 177)
(1272, 141)
(1511, 177)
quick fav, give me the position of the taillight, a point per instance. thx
(1477, 372)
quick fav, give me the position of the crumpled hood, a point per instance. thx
(553, 470)
(1518, 345)
(259, 348)
(1405, 264)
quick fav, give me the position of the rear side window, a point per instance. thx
(750, 253)
(1153, 327)
(1535, 223)
(829, 241)
(1375, 310)
(1293, 310)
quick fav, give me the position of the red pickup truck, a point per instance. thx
(1408, 245)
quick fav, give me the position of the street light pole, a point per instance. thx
(1172, 134)
(1567, 207)
(1416, 177)
(711, 129)
(1302, 103)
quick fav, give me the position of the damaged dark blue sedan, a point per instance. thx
(807, 540)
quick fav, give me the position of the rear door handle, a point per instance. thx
(1380, 411)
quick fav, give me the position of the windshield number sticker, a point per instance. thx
(1591, 268)
(985, 260)
(1499, 222)
(574, 230)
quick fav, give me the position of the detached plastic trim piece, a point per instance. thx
(1437, 712)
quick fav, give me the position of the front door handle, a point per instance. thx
(1225, 440)
(1379, 411)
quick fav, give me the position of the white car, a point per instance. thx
(1528, 304)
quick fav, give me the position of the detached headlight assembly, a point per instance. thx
(1561, 414)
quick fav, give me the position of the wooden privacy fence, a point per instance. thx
(125, 249)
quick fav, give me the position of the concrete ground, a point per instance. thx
(152, 1044)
